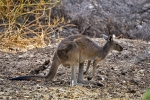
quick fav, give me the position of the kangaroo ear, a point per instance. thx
(105, 37)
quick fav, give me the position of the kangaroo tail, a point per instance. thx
(30, 77)
(49, 77)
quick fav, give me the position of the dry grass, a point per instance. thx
(16, 43)
(20, 18)
(56, 93)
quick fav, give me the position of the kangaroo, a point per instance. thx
(73, 51)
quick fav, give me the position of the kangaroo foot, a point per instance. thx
(91, 82)
(77, 84)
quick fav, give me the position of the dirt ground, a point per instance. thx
(124, 75)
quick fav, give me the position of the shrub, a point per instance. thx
(25, 24)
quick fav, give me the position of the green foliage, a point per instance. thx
(146, 95)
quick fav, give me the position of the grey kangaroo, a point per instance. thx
(73, 51)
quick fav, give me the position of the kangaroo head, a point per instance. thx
(113, 44)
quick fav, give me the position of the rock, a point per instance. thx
(84, 13)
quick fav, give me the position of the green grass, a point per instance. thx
(146, 95)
